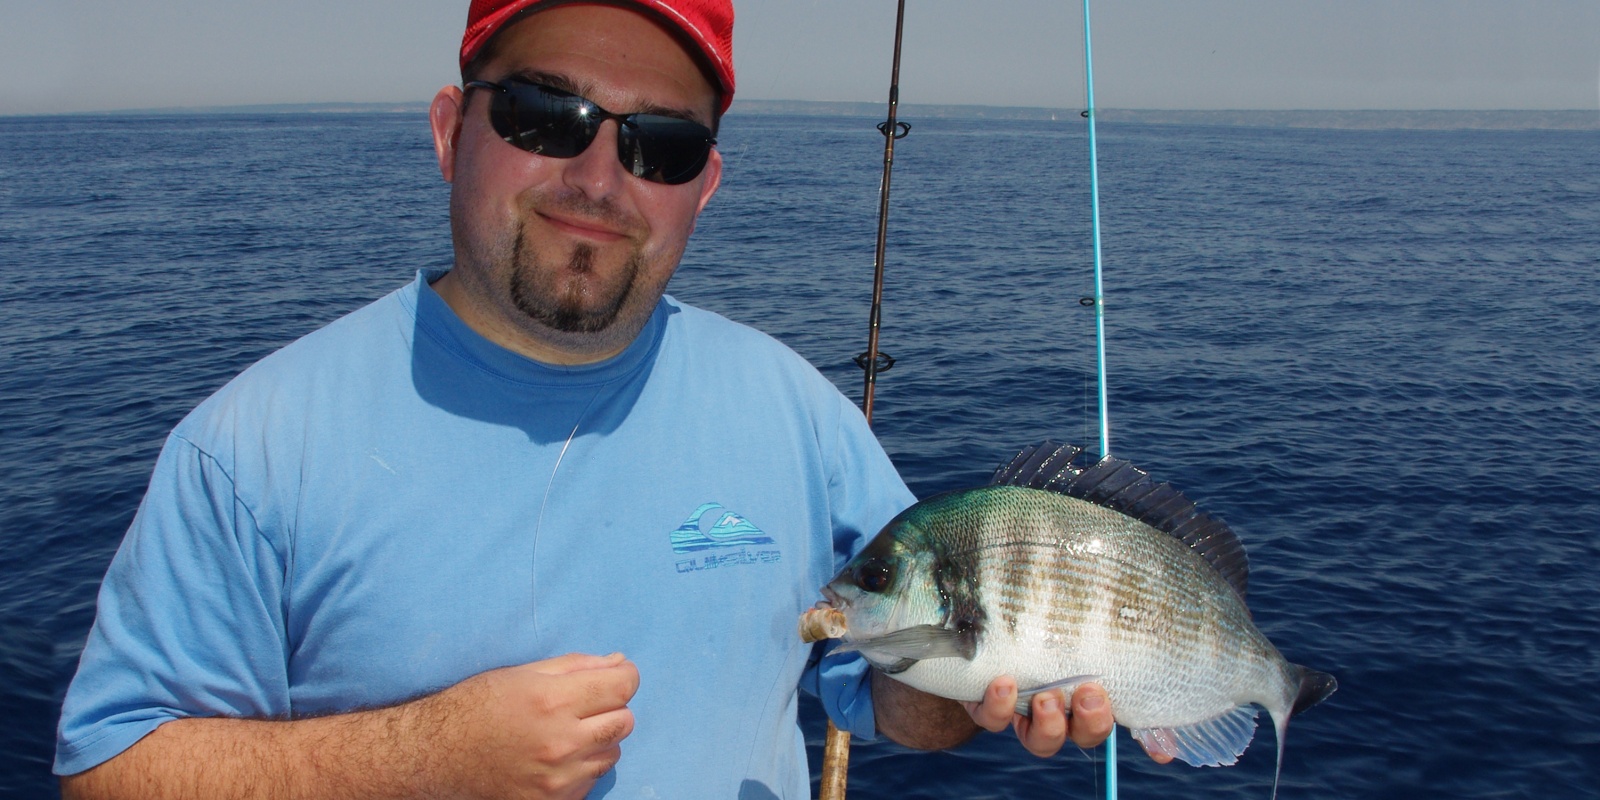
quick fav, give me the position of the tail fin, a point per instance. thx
(1314, 688)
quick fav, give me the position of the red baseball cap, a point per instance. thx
(707, 24)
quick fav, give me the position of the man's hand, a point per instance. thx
(548, 729)
(1050, 725)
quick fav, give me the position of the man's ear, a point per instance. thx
(712, 176)
(445, 117)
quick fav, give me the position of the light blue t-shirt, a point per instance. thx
(393, 504)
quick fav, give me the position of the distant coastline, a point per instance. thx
(1351, 120)
(1577, 120)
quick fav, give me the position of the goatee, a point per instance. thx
(562, 308)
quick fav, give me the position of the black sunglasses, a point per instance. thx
(550, 122)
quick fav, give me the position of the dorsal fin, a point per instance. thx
(1124, 488)
(1037, 465)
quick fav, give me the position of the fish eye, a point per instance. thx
(874, 576)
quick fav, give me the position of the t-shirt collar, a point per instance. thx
(437, 319)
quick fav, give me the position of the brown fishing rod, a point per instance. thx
(873, 361)
(836, 751)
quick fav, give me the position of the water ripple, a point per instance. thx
(1374, 353)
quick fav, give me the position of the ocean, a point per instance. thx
(1375, 353)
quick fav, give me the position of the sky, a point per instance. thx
(95, 55)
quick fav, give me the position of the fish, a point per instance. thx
(1060, 572)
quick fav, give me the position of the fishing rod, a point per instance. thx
(873, 361)
(836, 750)
(1094, 204)
(1099, 318)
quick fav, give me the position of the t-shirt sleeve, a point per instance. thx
(865, 492)
(190, 618)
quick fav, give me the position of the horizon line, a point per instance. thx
(1501, 118)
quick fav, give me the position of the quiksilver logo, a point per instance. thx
(712, 527)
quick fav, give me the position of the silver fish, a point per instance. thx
(1058, 575)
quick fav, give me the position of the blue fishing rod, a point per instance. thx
(1094, 204)
(1099, 317)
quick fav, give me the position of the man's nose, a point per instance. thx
(597, 172)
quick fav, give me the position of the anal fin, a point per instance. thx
(1217, 742)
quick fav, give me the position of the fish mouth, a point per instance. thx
(833, 598)
(824, 621)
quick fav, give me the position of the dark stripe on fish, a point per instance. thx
(956, 576)
(1115, 484)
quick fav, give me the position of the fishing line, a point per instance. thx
(538, 525)
(1085, 409)
(1094, 764)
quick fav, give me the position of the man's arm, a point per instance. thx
(926, 722)
(548, 729)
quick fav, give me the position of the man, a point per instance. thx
(358, 565)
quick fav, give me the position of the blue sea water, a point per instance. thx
(1376, 354)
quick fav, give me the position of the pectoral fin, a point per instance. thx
(916, 644)
(1066, 685)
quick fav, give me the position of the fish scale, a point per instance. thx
(1058, 575)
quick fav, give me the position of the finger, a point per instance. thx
(999, 705)
(603, 732)
(596, 691)
(579, 776)
(575, 662)
(1045, 731)
(599, 764)
(1159, 758)
(1091, 716)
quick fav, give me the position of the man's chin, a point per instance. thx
(570, 317)
(576, 321)
(571, 312)
(587, 331)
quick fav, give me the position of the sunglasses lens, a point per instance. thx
(550, 122)
(543, 121)
(663, 149)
